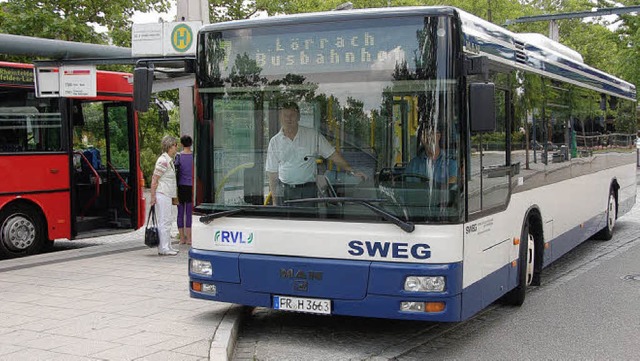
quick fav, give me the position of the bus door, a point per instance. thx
(488, 179)
(104, 169)
(399, 138)
(405, 125)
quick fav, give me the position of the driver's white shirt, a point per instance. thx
(295, 160)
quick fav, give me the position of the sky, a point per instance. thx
(145, 18)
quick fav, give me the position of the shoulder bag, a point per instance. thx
(151, 233)
(176, 165)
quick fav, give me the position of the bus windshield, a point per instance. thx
(374, 116)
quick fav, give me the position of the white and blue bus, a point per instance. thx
(538, 146)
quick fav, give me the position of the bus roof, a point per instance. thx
(537, 53)
(532, 52)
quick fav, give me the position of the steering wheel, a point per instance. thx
(403, 176)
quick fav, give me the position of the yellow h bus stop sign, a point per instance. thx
(182, 37)
(165, 39)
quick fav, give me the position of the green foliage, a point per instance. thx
(151, 131)
(72, 19)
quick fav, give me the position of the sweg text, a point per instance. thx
(389, 249)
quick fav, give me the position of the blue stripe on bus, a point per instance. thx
(572, 238)
(488, 289)
(370, 306)
(251, 279)
(567, 241)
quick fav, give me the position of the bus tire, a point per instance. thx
(526, 269)
(21, 231)
(606, 233)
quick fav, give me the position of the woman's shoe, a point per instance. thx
(168, 253)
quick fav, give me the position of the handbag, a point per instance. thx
(151, 232)
(176, 164)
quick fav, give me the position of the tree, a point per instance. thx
(74, 20)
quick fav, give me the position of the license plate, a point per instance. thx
(310, 305)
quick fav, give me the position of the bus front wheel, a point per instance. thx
(21, 231)
(526, 269)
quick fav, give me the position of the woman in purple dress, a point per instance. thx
(184, 170)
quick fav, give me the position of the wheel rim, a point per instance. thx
(611, 212)
(530, 258)
(18, 232)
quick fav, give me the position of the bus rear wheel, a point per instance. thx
(21, 231)
(526, 269)
(606, 233)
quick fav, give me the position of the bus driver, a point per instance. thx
(432, 162)
(291, 158)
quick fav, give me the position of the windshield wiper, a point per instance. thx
(405, 226)
(210, 217)
(230, 212)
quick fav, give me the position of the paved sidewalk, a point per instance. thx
(116, 301)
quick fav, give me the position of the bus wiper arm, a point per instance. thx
(405, 226)
(208, 218)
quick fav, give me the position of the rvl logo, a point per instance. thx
(233, 237)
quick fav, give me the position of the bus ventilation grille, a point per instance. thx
(521, 55)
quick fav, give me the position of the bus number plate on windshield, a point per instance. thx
(310, 305)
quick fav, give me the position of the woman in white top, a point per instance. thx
(163, 188)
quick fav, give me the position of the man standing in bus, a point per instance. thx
(291, 158)
(432, 163)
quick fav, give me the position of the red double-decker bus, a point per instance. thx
(70, 167)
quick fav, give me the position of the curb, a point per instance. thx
(68, 255)
(224, 339)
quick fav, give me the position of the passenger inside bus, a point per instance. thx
(291, 158)
(431, 163)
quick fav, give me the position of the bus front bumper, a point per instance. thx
(337, 287)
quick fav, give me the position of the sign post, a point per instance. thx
(78, 81)
(165, 39)
(71, 81)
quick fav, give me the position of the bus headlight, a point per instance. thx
(201, 267)
(424, 284)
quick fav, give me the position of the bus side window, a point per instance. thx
(488, 181)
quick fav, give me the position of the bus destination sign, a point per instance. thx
(16, 76)
(345, 50)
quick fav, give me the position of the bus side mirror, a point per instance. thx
(142, 86)
(482, 107)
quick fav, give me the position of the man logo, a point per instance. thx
(301, 274)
